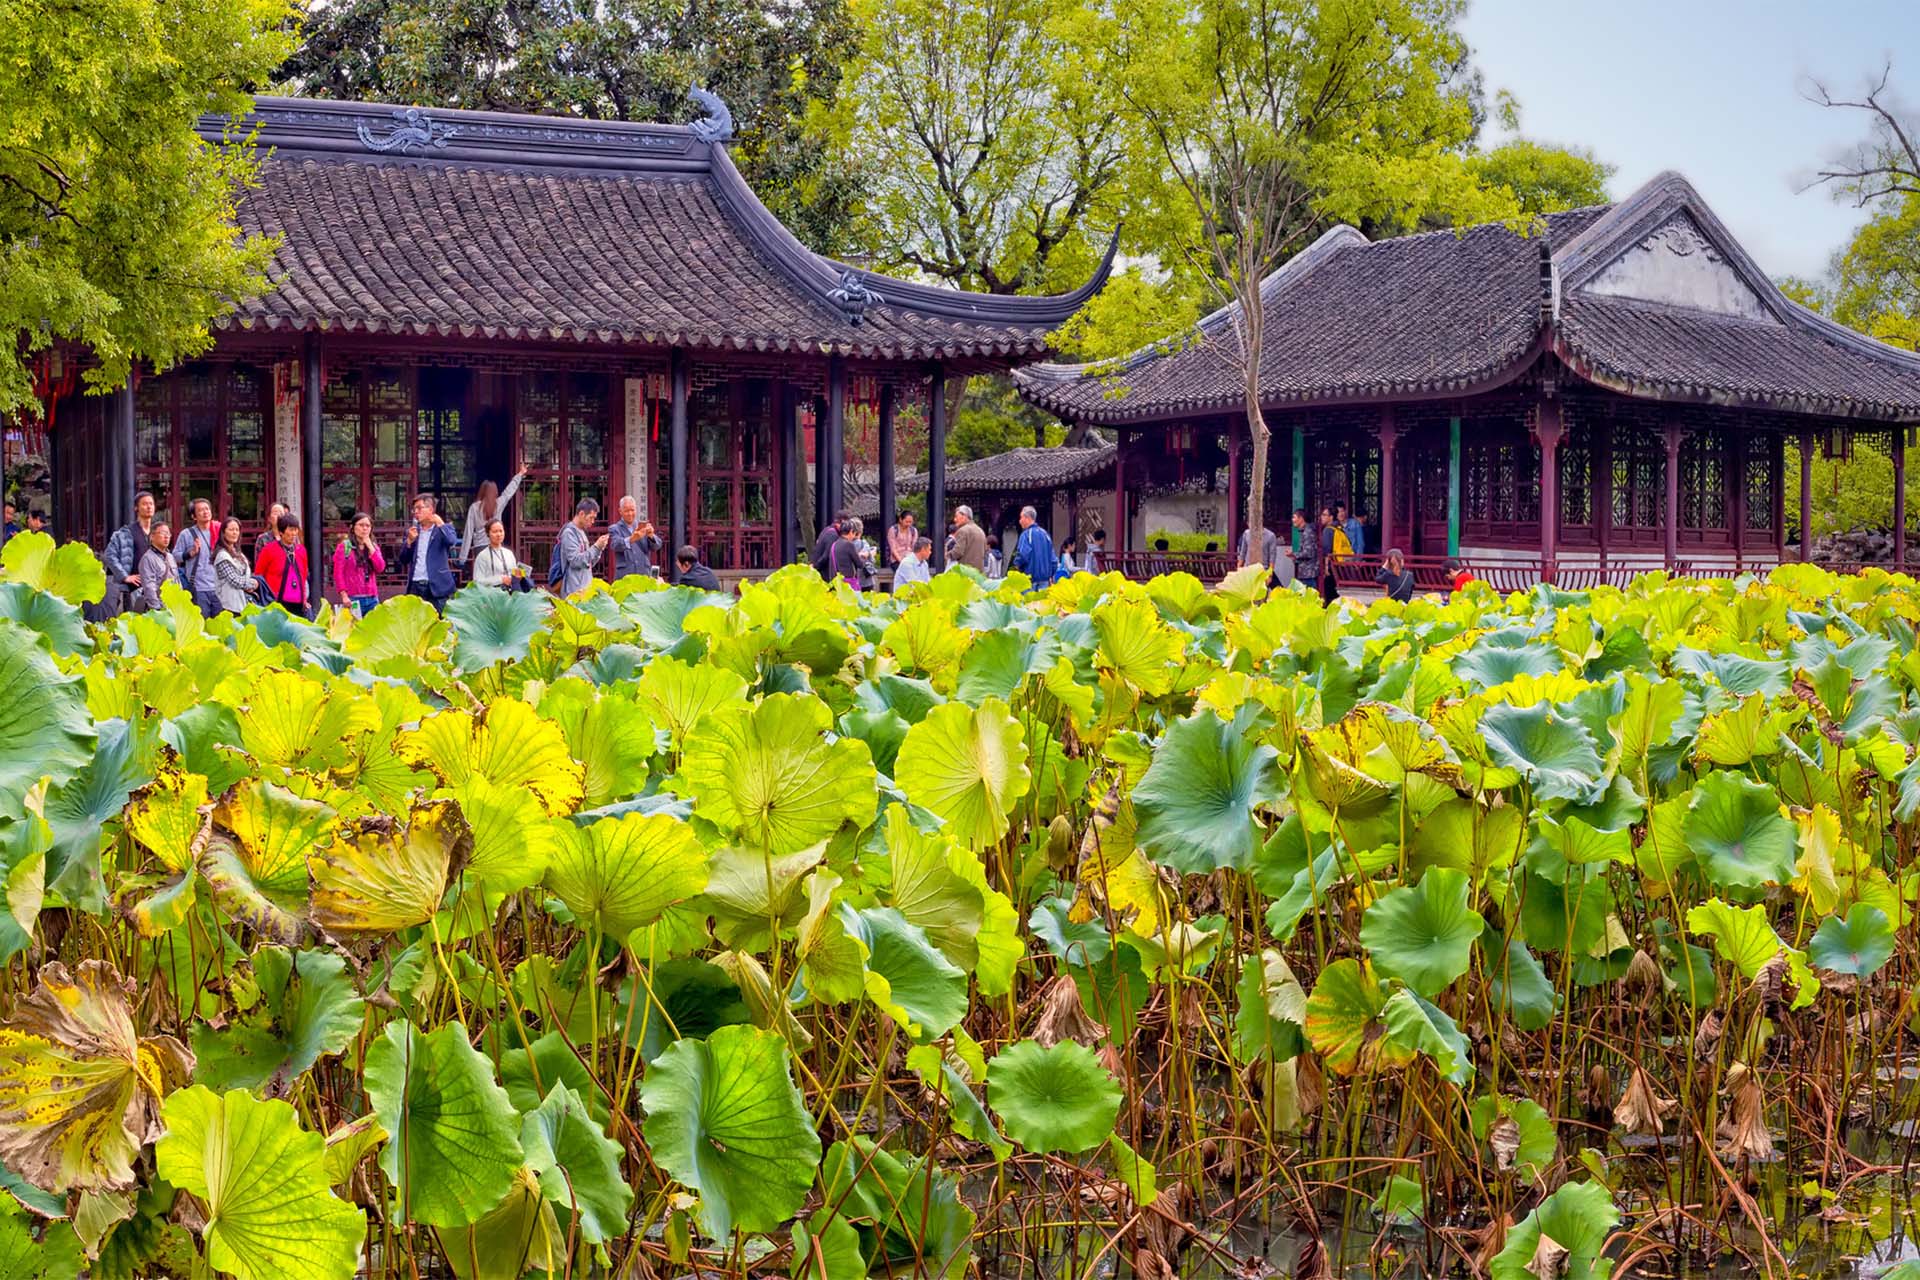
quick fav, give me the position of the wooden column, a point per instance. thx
(1118, 534)
(1603, 484)
(836, 469)
(312, 508)
(822, 511)
(1389, 433)
(677, 460)
(889, 507)
(937, 465)
(1897, 445)
(1299, 486)
(1549, 425)
(788, 422)
(1453, 486)
(1806, 495)
(1073, 518)
(1236, 512)
(121, 479)
(1673, 435)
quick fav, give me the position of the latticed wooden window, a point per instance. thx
(731, 493)
(562, 423)
(1639, 479)
(1759, 486)
(1703, 480)
(1576, 478)
(202, 433)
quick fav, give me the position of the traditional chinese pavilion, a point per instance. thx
(1610, 394)
(459, 294)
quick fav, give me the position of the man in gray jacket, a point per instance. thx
(575, 554)
(633, 542)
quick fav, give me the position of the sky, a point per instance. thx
(1712, 88)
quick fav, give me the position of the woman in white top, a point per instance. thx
(488, 505)
(493, 564)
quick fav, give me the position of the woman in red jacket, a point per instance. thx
(282, 566)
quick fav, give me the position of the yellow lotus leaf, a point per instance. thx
(509, 744)
(379, 876)
(296, 721)
(80, 1090)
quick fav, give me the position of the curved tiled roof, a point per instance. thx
(1029, 467)
(461, 223)
(1449, 313)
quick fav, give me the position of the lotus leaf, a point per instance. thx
(906, 974)
(767, 774)
(80, 1090)
(1735, 829)
(492, 626)
(455, 1144)
(969, 766)
(1196, 803)
(379, 875)
(1057, 1099)
(1566, 1233)
(1424, 933)
(307, 1010)
(69, 571)
(724, 1118)
(618, 874)
(577, 1164)
(269, 1213)
(1858, 945)
(1555, 754)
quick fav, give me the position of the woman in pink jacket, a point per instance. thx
(357, 565)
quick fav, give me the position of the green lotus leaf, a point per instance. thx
(1519, 1130)
(610, 734)
(399, 637)
(908, 698)
(1082, 943)
(1858, 945)
(724, 1119)
(84, 812)
(1416, 1025)
(1401, 1202)
(906, 974)
(455, 1144)
(513, 839)
(577, 1164)
(1272, 1016)
(60, 623)
(767, 774)
(969, 766)
(1423, 934)
(1501, 656)
(258, 870)
(909, 1212)
(80, 1090)
(836, 959)
(55, 1255)
(490, 625)
(1196, 803)
(68, 570)
(262, 1178)
(682, 694)
(941, 1073)
(1058, 1099)
(681, 999)
(1735, 829)
(1518, 987)
(999, 660)
(1742, 936)
(919, 879)
(45, 729)
(307, 1010)
(662, 615)
(750, 892)
(381, 876)
(520, 1236)
(1342, 1012)
(24, 841)
(618, 874)
(1576, 1218)
(883, 731)
(529, 1072)
(1555, 754)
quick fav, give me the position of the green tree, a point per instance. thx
(1875, 279)
(1542, 178)
(116, 218)
(609, 60)
(1274, 117)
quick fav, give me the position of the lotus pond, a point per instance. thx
(1111, 930)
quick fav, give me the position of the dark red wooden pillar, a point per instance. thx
(1898, 447)
(1674, 435)
(1548, 426)
(1806, 495)
(1119, 530)
(1389, 434)
(937, 464)
(1236, 512)
(889, 506)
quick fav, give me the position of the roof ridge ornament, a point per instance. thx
(853, 296)
(413, 128)
(717, 125)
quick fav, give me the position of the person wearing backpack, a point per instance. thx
(1332, 538)
(574, 556)
(282, 569)
(236, 581)
(193, 552)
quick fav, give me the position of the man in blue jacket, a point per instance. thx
(1033, 554)
(430, 540)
